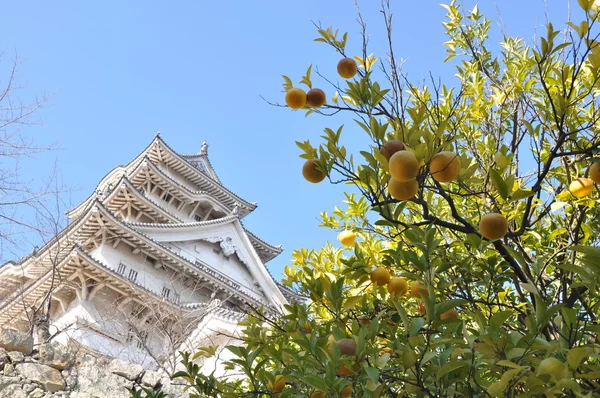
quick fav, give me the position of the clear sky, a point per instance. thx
(120, 71)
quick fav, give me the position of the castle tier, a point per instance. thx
(154, 261)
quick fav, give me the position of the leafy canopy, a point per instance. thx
(524, 122)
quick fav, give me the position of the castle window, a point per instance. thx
(197, 217)
(167, 197)
(176, 298)
(121, 269)
(165, 292)
(132, 275)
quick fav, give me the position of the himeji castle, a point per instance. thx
(155, 260)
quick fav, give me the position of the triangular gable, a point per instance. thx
(230, 235)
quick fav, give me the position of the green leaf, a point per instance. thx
(351, 302)
(587, 250)
(372, 373)
(449, 367)
(508, 364)
(415, 326)
(522, 194)
(499, 183)
(499, 318)
(448, 305)
(576, 355)
(315, 381)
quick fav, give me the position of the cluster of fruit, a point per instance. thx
(396, 287)
(583, 186)
(296, 98)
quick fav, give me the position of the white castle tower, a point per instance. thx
(155, 260)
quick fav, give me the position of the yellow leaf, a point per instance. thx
(351, 302)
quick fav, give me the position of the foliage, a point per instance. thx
(524, 121)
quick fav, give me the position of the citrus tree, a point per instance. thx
(469, 263)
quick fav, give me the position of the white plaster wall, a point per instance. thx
(206, 335)
(94, 328)
(232, 268)
(233, 230)
(149, 277)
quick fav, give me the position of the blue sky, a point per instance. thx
(195, 70)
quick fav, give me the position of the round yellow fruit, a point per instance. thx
(380, 276)
(595, 172)
(445, 166)
(295, 98)
(315, 98)
(391, 147)
(347, 346)
(450, 314)
(418, 289)
(397, 286)
(347, 237)
(493, 226)
(318, 394)
(347, 68)
(346, 392)
(404, 166)
(311, 172)
(403, 190)
(581, 187)
(278, 385)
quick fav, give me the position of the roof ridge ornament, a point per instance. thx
(204, 148)
(236, 209)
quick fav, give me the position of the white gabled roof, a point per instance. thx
(215, 231)
(158, 151)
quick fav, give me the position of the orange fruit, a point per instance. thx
(581, 187)
(347, 68)
(347, 237)
(493, 226)
(391, 147)
(403, 166)
(418, 289)
(315, 98)
(445, 166)
(595, 172)
(311, 172)
(347, 346)
(397, 286)
(380, 276)
(295, 98)
(346, 391)
(403, 190)
(344, 371)
(450, 314)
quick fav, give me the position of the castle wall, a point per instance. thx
(151, 278)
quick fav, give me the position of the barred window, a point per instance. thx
(121, 269)
(133, 275)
